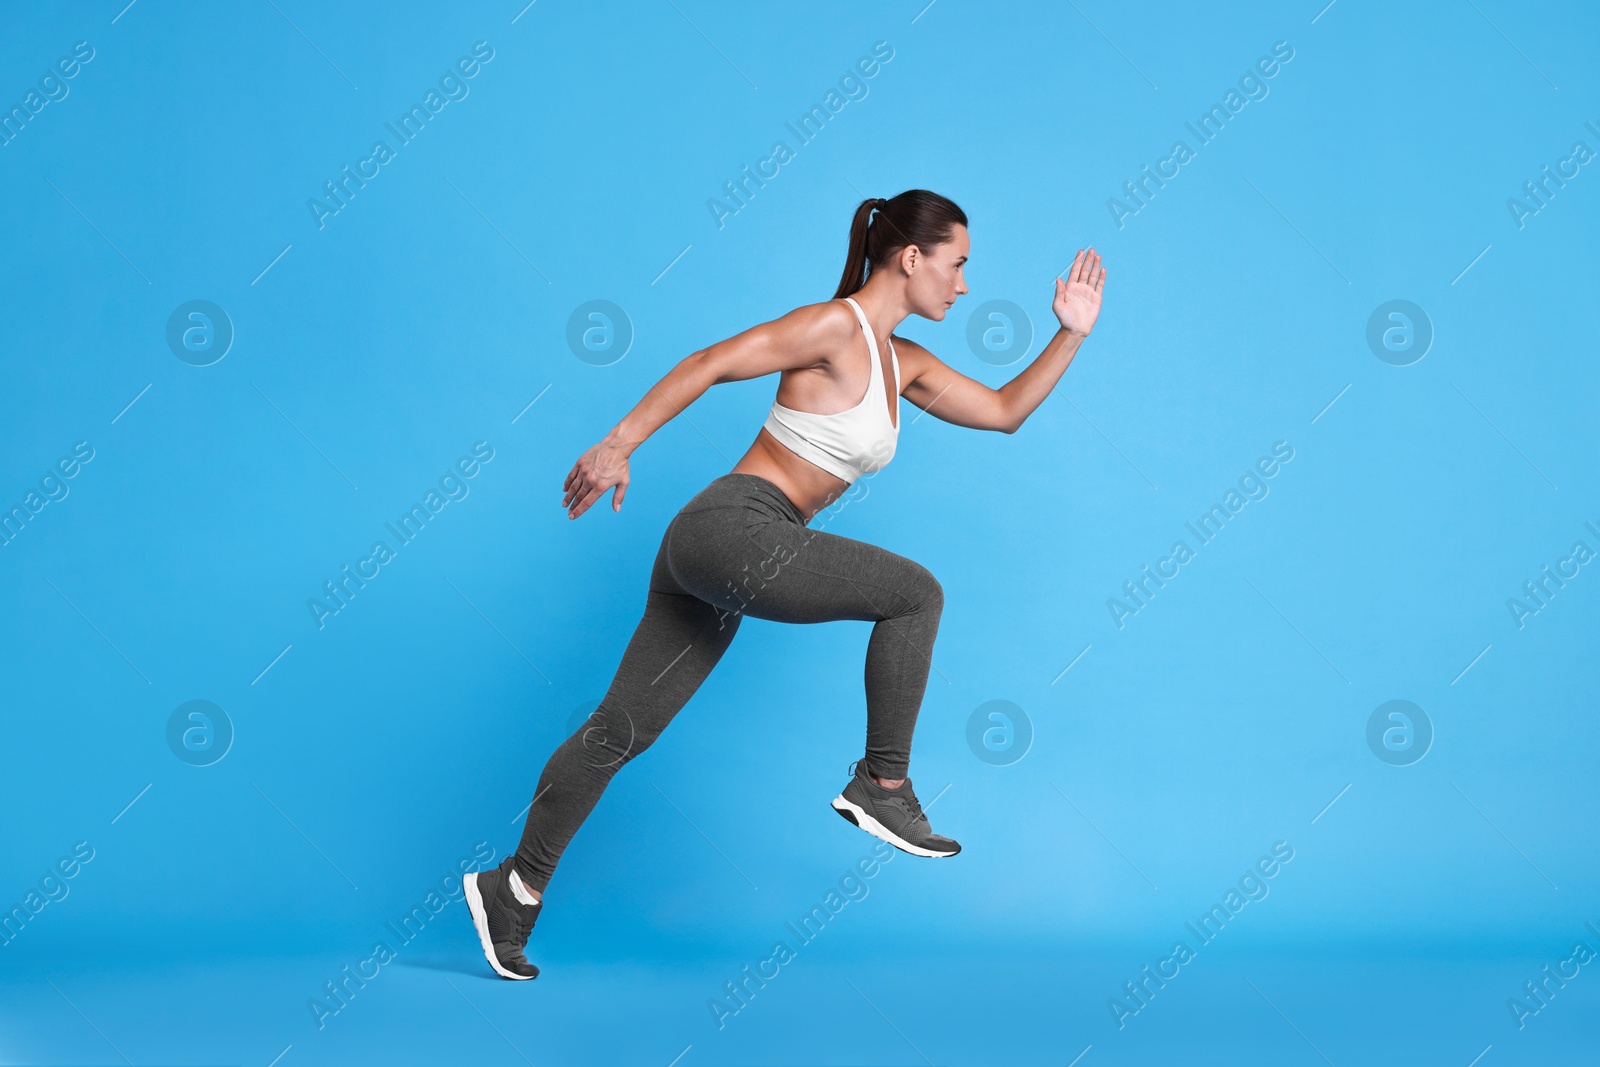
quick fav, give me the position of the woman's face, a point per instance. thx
(937, 277)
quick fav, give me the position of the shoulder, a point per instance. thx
(822, 329)
(912, 356)
(832, 318)
(906, 346)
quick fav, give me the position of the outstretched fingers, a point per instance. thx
(1085, 269)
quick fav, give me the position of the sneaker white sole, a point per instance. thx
(858, 815)
(480, 921)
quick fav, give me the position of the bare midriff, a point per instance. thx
(808, 486)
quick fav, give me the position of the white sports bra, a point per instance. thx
(851, 443)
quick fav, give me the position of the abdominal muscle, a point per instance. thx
(808, 486)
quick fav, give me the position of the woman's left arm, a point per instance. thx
(952, 396)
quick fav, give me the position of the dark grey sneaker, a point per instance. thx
(503, 922)
(893, 815)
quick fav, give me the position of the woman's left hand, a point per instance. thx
(1077, 303)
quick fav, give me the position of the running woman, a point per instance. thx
(742, 546)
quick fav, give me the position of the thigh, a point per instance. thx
(786, 572)
(674, 647)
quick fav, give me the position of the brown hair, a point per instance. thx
(915, 217)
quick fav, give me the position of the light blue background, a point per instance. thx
(429, 312)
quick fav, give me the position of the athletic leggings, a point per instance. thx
(739, 548)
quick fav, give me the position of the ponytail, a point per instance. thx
(915, 217)
(855, 263)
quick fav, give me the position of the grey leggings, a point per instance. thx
(740, 547)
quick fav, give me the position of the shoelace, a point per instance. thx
(522, 920)
(909, 799)
(914, 806)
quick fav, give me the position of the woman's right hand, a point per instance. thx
(600, 468)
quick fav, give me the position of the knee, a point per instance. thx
(923, 590)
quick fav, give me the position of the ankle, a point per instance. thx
(889, 783)
(523, 892)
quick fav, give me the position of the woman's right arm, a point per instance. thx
(806, 337)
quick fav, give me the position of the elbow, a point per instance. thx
(704, 368)
(1009, 416)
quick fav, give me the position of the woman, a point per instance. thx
(742, 546)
